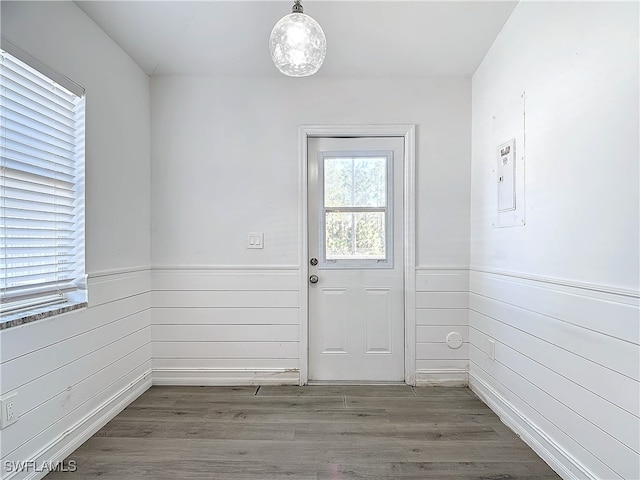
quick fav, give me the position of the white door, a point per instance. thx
(356, 294)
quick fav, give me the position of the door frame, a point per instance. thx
(409, 219)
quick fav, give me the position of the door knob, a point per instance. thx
(313, 279)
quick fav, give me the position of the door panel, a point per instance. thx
(332, 308)
(378, 324)
(356, 308)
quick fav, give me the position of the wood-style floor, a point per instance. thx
(313, 432)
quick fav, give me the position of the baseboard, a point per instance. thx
(224, 377)
(565, 465)
(69, 440)
(442, 378)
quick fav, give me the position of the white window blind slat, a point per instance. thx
(17, 203)
(50, 187)
(39, 85)
(36, 197)
(12, 212)
(31, 156)
(24, 110)
(12, 97)
(45, 249)
(41, 259)
(41, 189)
(26, 168)
(27, 222)
(44, 103)
(33, 138)
(31, 127)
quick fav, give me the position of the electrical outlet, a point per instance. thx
(492, 349)
(9, 410)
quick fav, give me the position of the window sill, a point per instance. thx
(14, 320)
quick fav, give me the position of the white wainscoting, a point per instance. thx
(441, 308)
(76, 371)
(565, 374)
(226, 326)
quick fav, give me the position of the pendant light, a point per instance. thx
(297, 43)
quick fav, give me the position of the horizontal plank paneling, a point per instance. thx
(64, 368)
(108, 288)
(566, 363)
(18, 341)
(226, 350)
(220, 325)
(224, 298)
(621, 459)
(604, 414)
(39, 363)
(441, 316)
(579, 307)
(441, 308)
(225, 333)
(232, 377)
(442, 364)
(431, 334)
(73, 397)
(226, 316)
(442, 299)
(51, 436)
(529, 423)
(618, 355)
(195, 279)
(434, 351)
(442, 281)
(601, 380)
(35, 392)
(226, 363)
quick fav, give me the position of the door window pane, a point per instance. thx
(355, 235)
(355, 182)
(339, 235)
(338, 182)
(370, 182)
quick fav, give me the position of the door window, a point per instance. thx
(355, 209)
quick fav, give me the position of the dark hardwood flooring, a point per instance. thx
(312, 432)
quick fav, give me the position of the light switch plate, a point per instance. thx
(255, 240)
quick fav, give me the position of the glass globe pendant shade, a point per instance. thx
(297, 43)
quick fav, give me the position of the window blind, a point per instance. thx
(41, 188)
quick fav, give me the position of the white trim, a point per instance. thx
(36, 64)
(224, 377)
(303, 135)
(69, 440)
(557, 457)
(408, 132)
(172, 268)
(454, 377)
(606, 289)
(438, 268)
(118, 271)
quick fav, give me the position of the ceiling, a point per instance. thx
(364, 38)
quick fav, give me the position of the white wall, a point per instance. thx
(560, 295)
(73, 372)
(225, 163)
